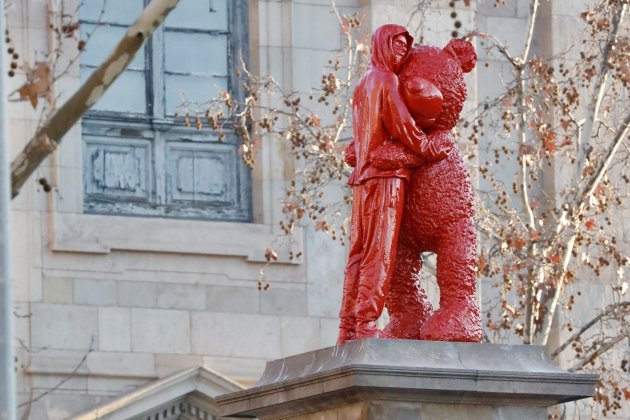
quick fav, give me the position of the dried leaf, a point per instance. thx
(345, 25)
(516, 242)
(37, 83)
(482, 265)
(590, 224)
(494, 326)
(549, 141)
(271, 255)
(321, 225)
(554, 258)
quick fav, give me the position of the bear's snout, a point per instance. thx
(424, 100)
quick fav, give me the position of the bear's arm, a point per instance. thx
(401, 125)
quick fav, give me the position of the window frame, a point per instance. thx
(165, 133)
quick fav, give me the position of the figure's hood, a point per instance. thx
(382, 45)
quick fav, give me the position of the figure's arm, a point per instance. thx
(349, 155)
(402, 127)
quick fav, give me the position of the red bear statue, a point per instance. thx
(439, 209)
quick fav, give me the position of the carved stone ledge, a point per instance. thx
(405, 378)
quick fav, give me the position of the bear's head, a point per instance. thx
(432, 81)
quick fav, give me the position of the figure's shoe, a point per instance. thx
(366, 330)
(345, 335)
(459, 321)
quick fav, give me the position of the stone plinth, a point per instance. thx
(405, 379)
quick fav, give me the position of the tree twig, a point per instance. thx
(609, 310)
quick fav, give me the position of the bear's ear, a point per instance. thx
(464, 52)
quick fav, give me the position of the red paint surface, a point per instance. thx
(412, 194)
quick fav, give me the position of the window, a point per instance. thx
(140, 160)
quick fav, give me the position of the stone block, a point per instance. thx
(113, 386)
(490, 8)
(519, 413)
(64, 326)
(137, 294)
(316, 27)
(233, 299)
(121, 364)
(568, 31)
(220, 334)
(569, 7)
(71, 154)
(71, 384)
(324, 271)
(60, 406)
(95, 292)
(523, 7)
(22, 323)
(353, 412)
(299, 335)
(25, 256)
(313, 62)
(509, 31)
(69, 193)
(282, 301)
(19, 132)
(457, 411)
(59, 362)
(57, 290)
(114, 329)
(180, 296)
(245, 370)
(37, 14)
(329, 329)
(398, 411)
(490, 79)
(160, 331)
(271, 35)
(166, 364)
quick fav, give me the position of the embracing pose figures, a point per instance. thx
(412, 194)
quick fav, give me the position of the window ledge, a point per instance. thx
(96, 234)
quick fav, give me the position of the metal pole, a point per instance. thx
(7, 373)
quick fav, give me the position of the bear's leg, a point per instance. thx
(406, 302)
(458, 318)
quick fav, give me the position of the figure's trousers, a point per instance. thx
(375, 223)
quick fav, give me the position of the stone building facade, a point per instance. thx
(108, 300)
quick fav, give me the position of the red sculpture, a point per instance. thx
(412, 194)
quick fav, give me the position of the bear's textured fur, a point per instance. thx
(439, 213)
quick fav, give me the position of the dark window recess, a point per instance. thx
(137, 158)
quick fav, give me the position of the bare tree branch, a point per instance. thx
(48, 137)
(588, 191)
(611, 309)
(603, 74)
(598, 352)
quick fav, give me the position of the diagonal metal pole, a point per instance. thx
(7, 374)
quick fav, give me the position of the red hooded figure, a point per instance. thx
(379, 117)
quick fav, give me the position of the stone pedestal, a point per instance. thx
(405, 379)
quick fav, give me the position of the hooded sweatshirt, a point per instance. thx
(380, 114)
